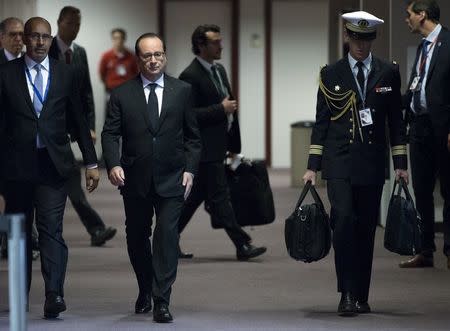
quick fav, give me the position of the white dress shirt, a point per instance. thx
(11, 56)
(367, 66)
(159, 89)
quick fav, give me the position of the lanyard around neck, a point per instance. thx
(36, 91)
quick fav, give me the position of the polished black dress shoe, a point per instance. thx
(347, 305)
(143, 304)
(54, 304)
(248, 251)
(161, 313)
(362, 308)
(102, 235)
(418, 261)
(183, 255)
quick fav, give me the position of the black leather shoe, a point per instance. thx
(161, 313)
(248, 251)
(183, 255)
(102, 235)
(54, 304)
(143, 304)
(347, 305)
(362, 307)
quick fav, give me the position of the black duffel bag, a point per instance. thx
(307, 231)
(250, 193)
(403, 225)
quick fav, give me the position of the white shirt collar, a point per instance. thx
(204, 63)
(63, 47)
(366, 62)
(434, 34)
(159, 81)
(10, 56)
(30, 63)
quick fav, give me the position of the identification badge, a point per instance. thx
(415, 85)
(121, 70)
(366, 117)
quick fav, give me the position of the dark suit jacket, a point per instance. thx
(344, 155)
(437, 90)
(60, 112)
(150, 157)
(79, 61)
(3, 58)
(212, 120)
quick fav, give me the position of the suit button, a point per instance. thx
(370, 142)
(351, 119)
(351, 141)
(370, 132)
(154, 139)
(351, 130)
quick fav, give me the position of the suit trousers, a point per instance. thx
(154, 263)
(47, 197)
(430, 159)
(353, 217)
(210, 185)
(88, 216)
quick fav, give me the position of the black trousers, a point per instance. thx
(47, 197)
(155, 268)
(354, 215)
(430, 159)
(210, 185)
(88, 216)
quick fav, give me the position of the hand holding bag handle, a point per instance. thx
(309, 187)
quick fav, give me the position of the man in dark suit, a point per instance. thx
(39, 107)
(153, 115)
(428, 110)
(356, 96)
(216, 109)
(11, 36)
(63, 48)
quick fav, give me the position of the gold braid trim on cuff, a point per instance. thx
(316, 149)
(399, 150)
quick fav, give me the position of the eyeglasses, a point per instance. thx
(37, 36)
(148, 56)
(15, 34)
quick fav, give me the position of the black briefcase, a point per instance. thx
(307, 231)
(403, 225)
(250, 193)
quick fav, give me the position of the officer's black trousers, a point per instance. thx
(430, 158)
(354, 215)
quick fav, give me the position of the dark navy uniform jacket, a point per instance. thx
(343, 149)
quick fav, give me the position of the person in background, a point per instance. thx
(64, 49)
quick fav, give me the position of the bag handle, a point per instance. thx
(309, 187)
(402, 186)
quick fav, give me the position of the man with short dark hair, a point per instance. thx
(64, 49)
(39, 107)
(428, 112)
(152, 113)
(357, 96)
(216, 112)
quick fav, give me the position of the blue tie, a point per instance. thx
(38, 82)
(421, 73)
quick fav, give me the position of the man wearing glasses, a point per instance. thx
(39, 107)
(11, 34)
(153, 115)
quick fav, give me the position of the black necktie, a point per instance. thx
(152, 106)
(421, 73)
(216, 79)
(360, 76)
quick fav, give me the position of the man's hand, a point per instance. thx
(2, 204)
(117, 176)
(400, 173)
(92, 178)
(229, 106)
(188, 181)
(93, 136)
(310, 175)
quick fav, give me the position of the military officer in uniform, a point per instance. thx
(357, 96)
